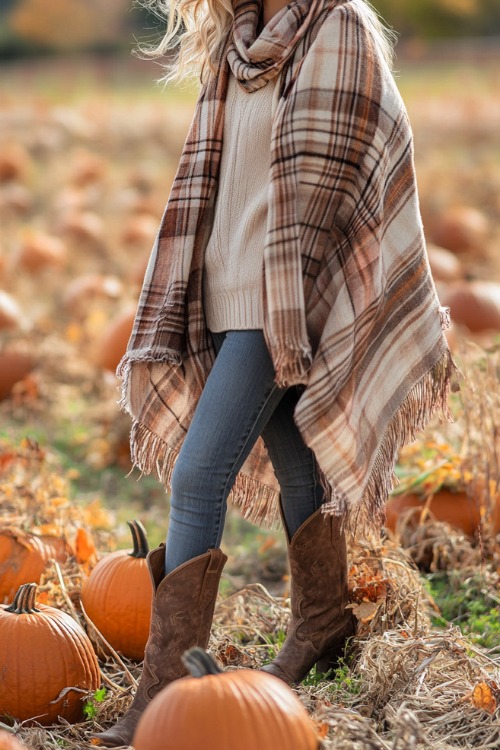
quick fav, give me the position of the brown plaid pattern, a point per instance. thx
(350, 306)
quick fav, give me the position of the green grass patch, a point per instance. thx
(469, 603)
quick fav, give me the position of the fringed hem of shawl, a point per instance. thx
(291, 363)
(257, 503)
(427, 397)
(145, 355)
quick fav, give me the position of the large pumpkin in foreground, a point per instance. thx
(47, 662)
(117, 596)
(244, 709)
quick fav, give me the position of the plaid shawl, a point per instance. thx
(350, 307)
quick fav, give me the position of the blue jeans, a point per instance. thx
(240, 401)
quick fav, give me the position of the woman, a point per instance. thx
(288, 339)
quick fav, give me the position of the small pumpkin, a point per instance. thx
(24, 557)
(474, 304)
(140, 230)
(47, 662)
(39, 251)
(14, 162)
(117, 596)
(445, 266)
(462, 229)
(91, 286)
(114, 341)
(86, 227)
(9, 742)
(245, 709)
(15, 365)
(87, 168)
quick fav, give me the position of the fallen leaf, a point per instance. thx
(483, 698)
(322, 729)
(365, 611)
(85, 550)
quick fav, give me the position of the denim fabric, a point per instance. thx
(240, 401)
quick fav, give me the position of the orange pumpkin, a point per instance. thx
(87, 168)
(475, 304)
(14, 366)
(14, 162)
(9, 742)
(46, 662)
(140, 230)
(39, 251)
(215, 710)
(456, 508)
(445, 266)
(91, 286)
(83, 226)
(117, 596)
(462, 229)
(24, 557)
(114, 341)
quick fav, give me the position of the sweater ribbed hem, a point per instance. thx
(234, 311)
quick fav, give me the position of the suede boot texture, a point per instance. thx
(320, 624)
(182, 613)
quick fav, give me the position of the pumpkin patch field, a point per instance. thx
(88, 151)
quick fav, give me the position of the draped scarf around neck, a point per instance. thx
(350, 308)
(257, 58)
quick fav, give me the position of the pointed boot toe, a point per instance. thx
(121, 734)
(278, 672)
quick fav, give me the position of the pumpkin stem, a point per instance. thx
(24, 600)
(199, 662)
(141, 546)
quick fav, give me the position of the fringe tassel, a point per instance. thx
(429, 395)
(257, 503)
(144, 356)
(291, 363)
(445, 318)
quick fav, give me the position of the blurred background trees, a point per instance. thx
(34, 26)
(430, 19)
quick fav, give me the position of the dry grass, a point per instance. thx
(407, 685)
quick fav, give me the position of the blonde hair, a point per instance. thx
(196, 28)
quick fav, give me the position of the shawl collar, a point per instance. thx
(255, 59)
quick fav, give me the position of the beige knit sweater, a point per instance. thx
(235, 250)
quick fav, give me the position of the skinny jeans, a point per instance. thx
(240, 402)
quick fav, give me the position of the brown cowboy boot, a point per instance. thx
(181, 617)
(320, 624)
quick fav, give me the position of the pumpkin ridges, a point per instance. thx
(44, 652)
(110, 580)
(24, 557)
(83, 654)
(118, 596)
(243, 708)
(40, 671)
(205, 717)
